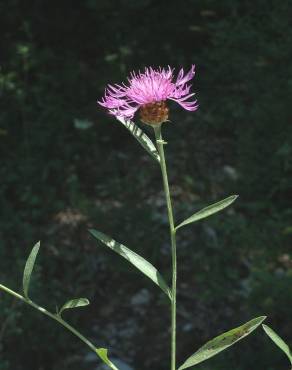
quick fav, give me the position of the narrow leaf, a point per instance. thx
(278, 341)
(102, 354)
(222, 342)
(208, 211)
(142, 138)
(138, 261)
(29, 268)
(73, 303)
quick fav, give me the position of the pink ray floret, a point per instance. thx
(151, 86)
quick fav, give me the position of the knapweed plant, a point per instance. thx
(147, 93)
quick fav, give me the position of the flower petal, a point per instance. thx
(181, 79)
(191, 105)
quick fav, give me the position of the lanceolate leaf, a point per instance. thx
(142, 138)
(73, 303)
(102, 353)
(138, 261)
(278, 341)
(222, 342)
(29, 267)
(208, 211)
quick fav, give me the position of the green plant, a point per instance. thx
(279, 342)
(153, 113)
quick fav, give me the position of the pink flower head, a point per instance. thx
(149, 91)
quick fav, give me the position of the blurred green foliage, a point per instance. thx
(67, 166)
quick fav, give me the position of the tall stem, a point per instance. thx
(54, 317)
(160, 144)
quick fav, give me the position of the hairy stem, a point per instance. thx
(160, 144)
(55, 317)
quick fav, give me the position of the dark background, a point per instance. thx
(67, 166)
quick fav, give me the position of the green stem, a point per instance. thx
(160, 144)
(54, 317)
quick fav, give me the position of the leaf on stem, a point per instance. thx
(74, 303)
(278, 341)
(29, 268)
(208, 211)
(142, 138)
(139, 262)
(222, 342)
(102, 354)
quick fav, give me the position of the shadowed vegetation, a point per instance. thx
(66, 167)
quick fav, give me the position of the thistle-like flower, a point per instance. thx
(148, 92)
